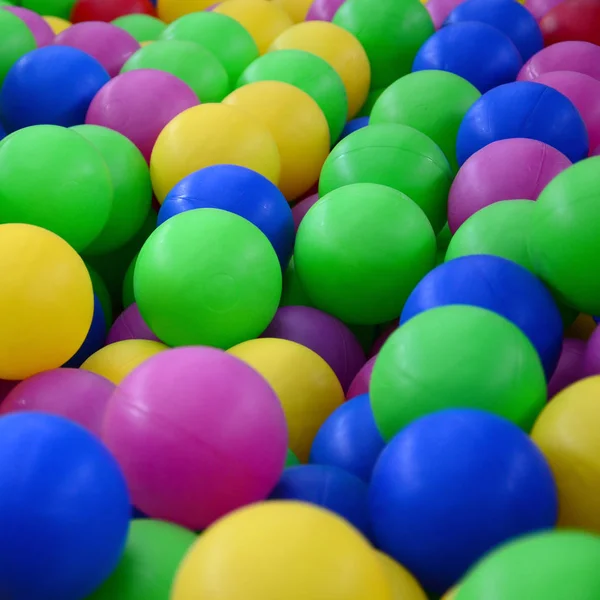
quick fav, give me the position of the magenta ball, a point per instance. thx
(323, 334)
(42, 32)
(512, 169)
(360, 384)
(139, 104)
(198, 433)
(78, 395)
(596, 152)
(382, 338)
(569, 368)
(323, 10)
(111, 46)
(581, 57)
(300, 210)
(6, 387)
(591, 358)
(130, 326)
(538, 8)
(440, 9)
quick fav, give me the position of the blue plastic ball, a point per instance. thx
(2, 133)
(349, 439)
(240, 191)
(477, 52)
(328, 487)
(510, 17)
(94, 340)
(53, 85)
(64, 510)
(453, 485)
(523, 109)
(354, 125)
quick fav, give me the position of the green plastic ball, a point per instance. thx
(360, 251)
(223, 36)
(367, 107)
(564, 243)
(554, 565)
(50, 8)
(130, 178)
(143, 28)
(102, 294)
(309, 73)
(128, 295)
(291, 460)
(54, 178)
(391, 32)
(456, 357)
(152, 555)
(192, 63)
(207, 277)
(16, 40)
(397, 156)
(434, 102)
(442, 241)
(293, 293)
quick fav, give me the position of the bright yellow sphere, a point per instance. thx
(281, 551)
(404, 585)
(211, 134)
(308, 389)
(262, 19)
(57, 24)
(568, 433)
(340, 49)
(170, 10)
(297, 125)
(116, 361)
(296, 9)
(46, 301)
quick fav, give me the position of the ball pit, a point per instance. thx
(16, 40)
(42, 32)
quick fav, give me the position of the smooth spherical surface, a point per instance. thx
(538, 8)
(144, 28)
(404, 585)
(323, 10)
(94, 340)
(296, 9)
(439, 11)
(305, 553)
(195, 139)
(53, 85)
(523, 109)
(354, 125)
(42, 32)
(572, 20)
(570, 368)
(56, 8)
(497, 486)
(109, 10)
(190, 475)
(477, 52)
(306, 386)
(360, 384)
(130, 326)
(591, 359)
(16, 40)
(361, 250)
(57, 24)
(67, 547)
(170, 10)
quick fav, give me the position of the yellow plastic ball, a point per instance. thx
(170, 10)
(262, 19)
(567, 431)
(281, 551)
(404, 585)
(57, 24)
(211, 134)
(46, 301)
(308, 389)
(297, 125)
(340, 49)
(116, 361)
(296, 9)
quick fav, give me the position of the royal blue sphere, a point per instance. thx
(349, 439)
(477, 52)
(64, 510)
(53, 85)
(240, 191)
(510, 17)
(94, 340)
(354, 125)
(523, 109)
(453, 485)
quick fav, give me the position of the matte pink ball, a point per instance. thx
(440, 9)
(111, 46)
(513, 169)
(591, 358)
(323, 10)
(130, 326)
(538, 8)
(569, 368)
(75, 394)
(198, 433)
(42, 32)
(360, 384)
(299, 211)
(139, 104)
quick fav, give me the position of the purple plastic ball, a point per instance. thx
(360, 384)
(323, 10)
(299, 211)
(440, 9)
(569, 368)
(42, 32)
(130, 326)
(591, 358)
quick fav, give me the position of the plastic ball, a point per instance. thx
(170, 10)
(53, 85)
(102, 294)
(94, 340)
(130, 326)
(291, 460)
(404, 585)
(55, 8)
(497, 486)
(297, 125)
(57, 24)
(152, 555)
(109, 10)
(49, 460)
(77, 395)
(591, 359)
(42, 32)
(116, 361)
(127, 295)
(340, 49)
(305, 384)
(16, 40)
(301, 208)
(140, 104)
(144, 28)
(500, 171)
(477, 52)
(572, 20)
(352, 126)
(323, 10)
(391, 33)
(296, 9)
(194, 140)
(472, 357)
(366, 108)
(538, 8)
(523, 109)
(414, 98)
(360, 384)
(194, 476)
(67, 189)
(309, 73)
(292, 293)
(570, 366)
(398, 157)
(439, 11)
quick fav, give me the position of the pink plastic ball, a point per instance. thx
(440, 9)
(75, 394)
(360, 384)
(42, 32)
(538, 8)
(591, 358)
(6, 387)
(198, 433)
(130, 326)
(323, 10)
(111, 46)
(139, 104)
(569, 368)
(513, 169)
(596, 152)
(299, 211)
